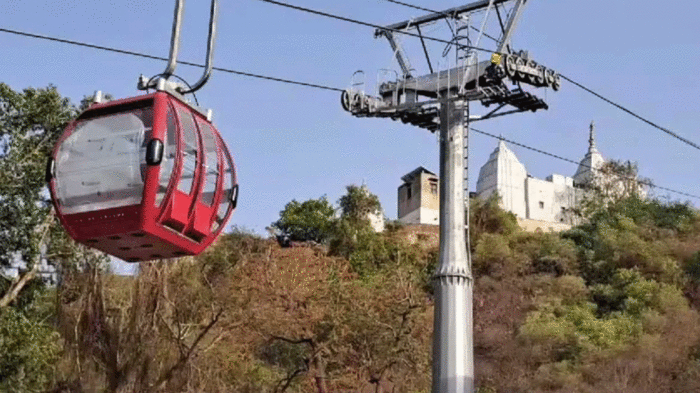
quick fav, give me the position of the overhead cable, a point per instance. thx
(359, 22)
(435, 12)
(147, 56)
(666, 130)
(313, 85)
(252, 75)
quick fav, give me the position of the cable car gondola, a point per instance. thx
(147, 177)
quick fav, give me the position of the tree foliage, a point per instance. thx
(137, 340)
(30, 123)
(29, 349)
(486, 216)
(614, 181)
(350, 235)
(358, 204)
(354, 238)
(588, 310)
(309, 220)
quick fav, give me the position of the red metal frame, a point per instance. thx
(182, 224)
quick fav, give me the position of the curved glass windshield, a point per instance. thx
(99, 166)
(212, 163)
(228, 176)
(168, 163)
(189, 153)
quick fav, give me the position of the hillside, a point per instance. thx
(610, 306)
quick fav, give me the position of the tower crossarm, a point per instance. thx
(451, 12)
(447, 82)
(455, 12)
(478, 81)
(424, 114)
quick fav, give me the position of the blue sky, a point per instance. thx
(292, 142)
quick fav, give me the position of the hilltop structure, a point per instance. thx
(538, 203)
(419, 198)
(545, 204)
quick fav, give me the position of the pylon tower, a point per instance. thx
(439, 101)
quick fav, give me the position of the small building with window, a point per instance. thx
(419, 198)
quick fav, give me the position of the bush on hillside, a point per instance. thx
(613, 318)
(230, 250)
(644, 214)
(548, 253)
(354, 239)
(486, 216)
(29, 350)
(632, 233)
(692, 267)
(493, 254)
(370, 252)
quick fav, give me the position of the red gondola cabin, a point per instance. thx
(143, 178)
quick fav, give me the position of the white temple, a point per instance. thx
(538, 203)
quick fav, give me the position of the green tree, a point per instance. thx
(615, 181)
(486, 216)
(358, 204)
(353, 235)
(87, 101)
(309, 220)
(30, 123)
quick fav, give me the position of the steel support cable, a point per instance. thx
(646, 183)
(359, 22)
(666, 130)
(132, 53)
(434, 12)
(147, 56)
(143, 55)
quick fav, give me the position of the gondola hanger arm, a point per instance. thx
(175, 50)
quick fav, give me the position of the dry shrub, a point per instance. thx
(142, 342)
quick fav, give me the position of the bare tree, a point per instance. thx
(141, 346)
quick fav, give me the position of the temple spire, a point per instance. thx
(591, 139)
(591, 162)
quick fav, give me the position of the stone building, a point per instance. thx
(419, 198)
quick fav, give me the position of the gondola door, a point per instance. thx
(180, 201)
(203, 212)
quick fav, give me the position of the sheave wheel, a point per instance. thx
(346, 100)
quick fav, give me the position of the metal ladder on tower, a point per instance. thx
(467, 57)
